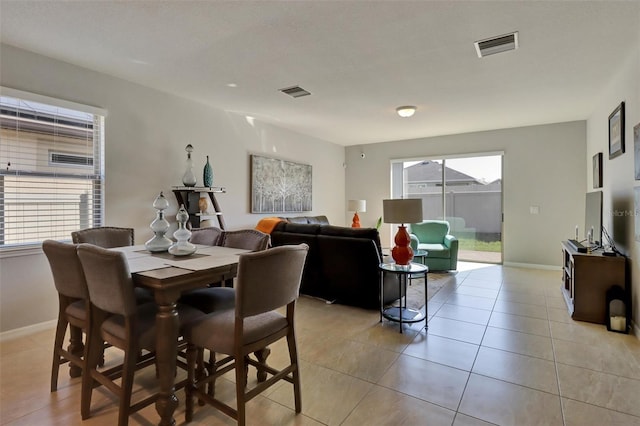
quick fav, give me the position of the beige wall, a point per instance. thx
(543, 166)
(619, 214)
(146, 132)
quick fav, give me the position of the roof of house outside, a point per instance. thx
(431, 172)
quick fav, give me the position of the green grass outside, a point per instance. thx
(467, 244)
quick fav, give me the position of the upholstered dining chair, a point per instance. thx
(115, 317)
(248, 239)
(73, 307)
(211, 236)
(216, 298)
(110, 237)
(251, 326)
(104, 236)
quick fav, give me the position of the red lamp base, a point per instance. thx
(356, 221)
(402, 253)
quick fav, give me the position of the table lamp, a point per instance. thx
(402, 211)
(356, 206)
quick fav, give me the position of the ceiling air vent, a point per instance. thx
(295, 91)
(493, 45)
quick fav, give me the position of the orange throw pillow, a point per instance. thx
(267, 224)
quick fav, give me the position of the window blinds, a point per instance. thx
(51, 171)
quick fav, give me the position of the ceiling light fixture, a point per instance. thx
(406, 111)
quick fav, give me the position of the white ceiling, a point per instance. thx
(359, 59)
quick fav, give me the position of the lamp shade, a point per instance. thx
(407, 210)
(357, 206)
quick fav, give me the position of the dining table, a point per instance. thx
(167, 277)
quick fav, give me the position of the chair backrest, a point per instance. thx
(431, 231)
(108, 279)
(104, 236)
(208, 236)
(248, 239)
(269, 279)
(68, 275)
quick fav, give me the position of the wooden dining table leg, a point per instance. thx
(167, 328)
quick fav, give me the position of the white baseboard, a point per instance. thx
(25, 331)
(532, 266)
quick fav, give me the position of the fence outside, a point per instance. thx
(477, 212)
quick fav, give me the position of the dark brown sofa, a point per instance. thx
(315, 220)
(342, 264)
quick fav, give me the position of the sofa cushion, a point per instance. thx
(341, 231)
(297, 228)
(316, 220)
(320, 220)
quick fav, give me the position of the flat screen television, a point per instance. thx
(593, 218)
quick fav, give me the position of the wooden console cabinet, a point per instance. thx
(586, 278)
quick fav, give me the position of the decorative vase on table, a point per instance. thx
(160, 226)
(189, 179)
(207, 174)
(203, 205)
(182, 246)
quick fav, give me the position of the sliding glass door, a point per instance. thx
(465, 191)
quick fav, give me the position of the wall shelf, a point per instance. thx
(189, 196)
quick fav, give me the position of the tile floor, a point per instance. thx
(500, 349)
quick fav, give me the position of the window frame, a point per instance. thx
(36, 247)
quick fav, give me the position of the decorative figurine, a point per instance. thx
(207, 174)
(160, 226)
(189, 179)
(182, 246)
(203, 205)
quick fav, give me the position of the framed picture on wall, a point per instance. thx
(636, 149)
(280, 186)
(597, 170)
(616, 131)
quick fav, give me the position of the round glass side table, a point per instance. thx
(421, 254)
(403, 274)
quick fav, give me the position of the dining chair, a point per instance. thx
(216, 298)
(73, 307)
(251, 326)
(110, 237)
(208, 236)
(104, 236)
(116, 318)
(248, 239)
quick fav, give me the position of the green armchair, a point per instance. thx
(442, 247)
